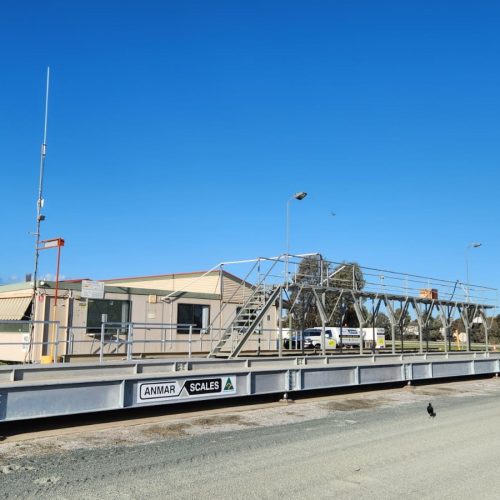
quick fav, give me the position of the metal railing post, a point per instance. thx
(130, 341)
(190, 340)
(280, 326)
(71, 339)
(101, 353)
(56, 343)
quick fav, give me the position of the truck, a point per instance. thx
(343, 337)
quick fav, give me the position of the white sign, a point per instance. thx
(92, 289)
(167, 390)
(50, 244)
(159, 391)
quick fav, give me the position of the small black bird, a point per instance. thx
(430, 411)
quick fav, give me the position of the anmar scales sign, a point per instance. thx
(166, 390)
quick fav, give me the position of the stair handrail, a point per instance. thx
(243, 283)
(227, 329)
(254, 324)
(256, 289)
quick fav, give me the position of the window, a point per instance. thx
(197, 315)
(117, 311)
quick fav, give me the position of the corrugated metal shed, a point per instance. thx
(14, 308)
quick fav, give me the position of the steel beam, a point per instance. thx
(55, 390)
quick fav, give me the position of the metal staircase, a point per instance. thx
(246, 322)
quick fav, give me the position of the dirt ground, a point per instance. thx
(149, 430)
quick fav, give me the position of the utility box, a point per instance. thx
(429, 293)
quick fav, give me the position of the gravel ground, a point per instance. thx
(379, 444)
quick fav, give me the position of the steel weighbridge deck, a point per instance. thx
(54, 390)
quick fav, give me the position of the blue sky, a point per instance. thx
(179, 130)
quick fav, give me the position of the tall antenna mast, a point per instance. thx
(40, 201)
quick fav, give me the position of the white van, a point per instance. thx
(312, 338)
(345, 337)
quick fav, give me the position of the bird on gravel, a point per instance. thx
(430, 411)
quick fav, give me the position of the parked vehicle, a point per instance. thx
(344, 337)
(311, 338)
(295, 342)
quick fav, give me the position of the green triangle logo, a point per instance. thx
(229, 386)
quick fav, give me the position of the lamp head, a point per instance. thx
(300, 196)
(476, 245)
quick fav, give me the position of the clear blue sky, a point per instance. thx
(179, 130)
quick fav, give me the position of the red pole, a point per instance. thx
(59, 242)
(57, 270)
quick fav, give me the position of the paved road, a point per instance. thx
(388, 451)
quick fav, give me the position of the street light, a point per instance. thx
(472, 245)
(297, 196)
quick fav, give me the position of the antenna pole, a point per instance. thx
(40, 200)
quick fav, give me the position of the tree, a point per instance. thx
(433, 330)
(315, 271)
(382, 321)
(402, 322)
(304, 312)
(347, 276)
(494, 333)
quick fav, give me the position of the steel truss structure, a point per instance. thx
(368, 291)
(397, 307)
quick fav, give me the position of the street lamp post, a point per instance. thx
(297, 196)
(472, 245)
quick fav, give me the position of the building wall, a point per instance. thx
(155, 326)
(14, 346)
(235, 291)
(174, 282)
(147, 311)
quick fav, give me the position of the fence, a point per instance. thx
(53, 342)
(49, 340)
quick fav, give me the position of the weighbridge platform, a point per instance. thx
(35, 391)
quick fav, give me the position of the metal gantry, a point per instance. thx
(399, 296)
(397, 307)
